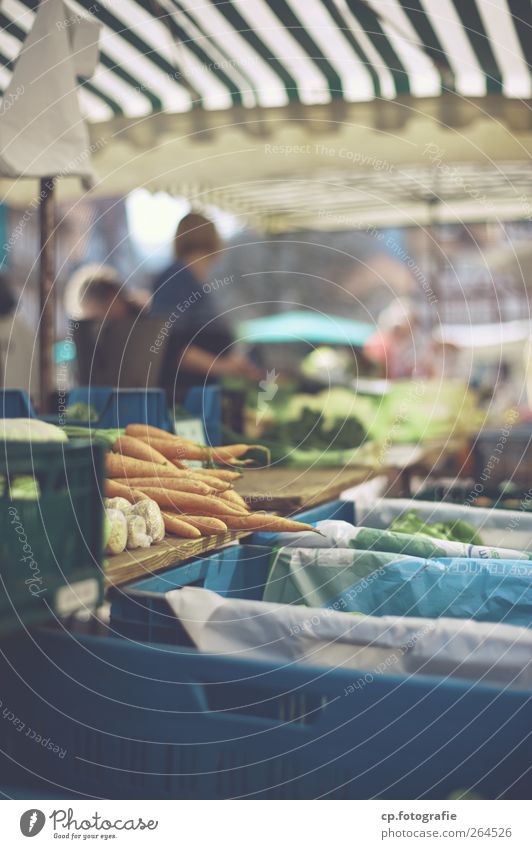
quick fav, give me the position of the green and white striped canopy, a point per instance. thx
(296, 113)
(177, 55)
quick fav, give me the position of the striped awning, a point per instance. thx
(177, 56)
(408, 195)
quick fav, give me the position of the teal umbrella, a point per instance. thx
(305, 326)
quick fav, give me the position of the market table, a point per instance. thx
(171, 551)
(282, 490)
(290, 490)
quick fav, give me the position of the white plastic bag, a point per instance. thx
(481, 651)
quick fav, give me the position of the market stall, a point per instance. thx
(272, 632)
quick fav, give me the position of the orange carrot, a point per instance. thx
(114, 489)
(211, 480)
(141, 431)
(177, 484)
(132, 447)
(224, 474)
(173, 449)
(212, 484)
(207, 525)
(233, 450)
(183, 449)
(231, 454)
(234, 498)
(187, 502)
(120, 466)
(175, 525)
(265, 522)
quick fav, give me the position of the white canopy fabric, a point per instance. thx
(316, 172)
(323, 113)
(42, 130)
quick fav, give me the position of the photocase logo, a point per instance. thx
(32, 822)
(268, 391)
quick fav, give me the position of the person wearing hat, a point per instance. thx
(96, 293)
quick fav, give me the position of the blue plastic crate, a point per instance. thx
(153, 721)
(205, 403)
(139, 610)
(15, 404)
(120, 407)
(51, 549)
(340, 510)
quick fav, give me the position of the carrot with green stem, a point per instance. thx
(178, 449)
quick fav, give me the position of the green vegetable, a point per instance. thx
(21, 488)
(311, 431)
(30, 430)
(24, 488)
(456, 530)
(81, 412)
(107, 437)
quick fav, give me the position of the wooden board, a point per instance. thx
(289, 490)
(142, 562)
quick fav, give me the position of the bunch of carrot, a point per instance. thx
(176, 448)
(149, 463)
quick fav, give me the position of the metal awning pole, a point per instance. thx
(46, 292)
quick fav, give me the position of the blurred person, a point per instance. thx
(96, 292)
(19, 350)
(105, 300)
(200, 345)
(7, 299)
(399, 346)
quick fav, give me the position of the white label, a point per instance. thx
(72, 597)
(191, 429)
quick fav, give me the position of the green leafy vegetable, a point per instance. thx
(24, 488)
(107, 437)
(21, 488)
(311, 431)
(81, 412)
(455, 530)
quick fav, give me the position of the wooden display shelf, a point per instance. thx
(171, 551)
(288, 491)
(283, 490)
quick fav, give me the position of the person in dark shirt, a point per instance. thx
(7, 299)
(200, 346)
